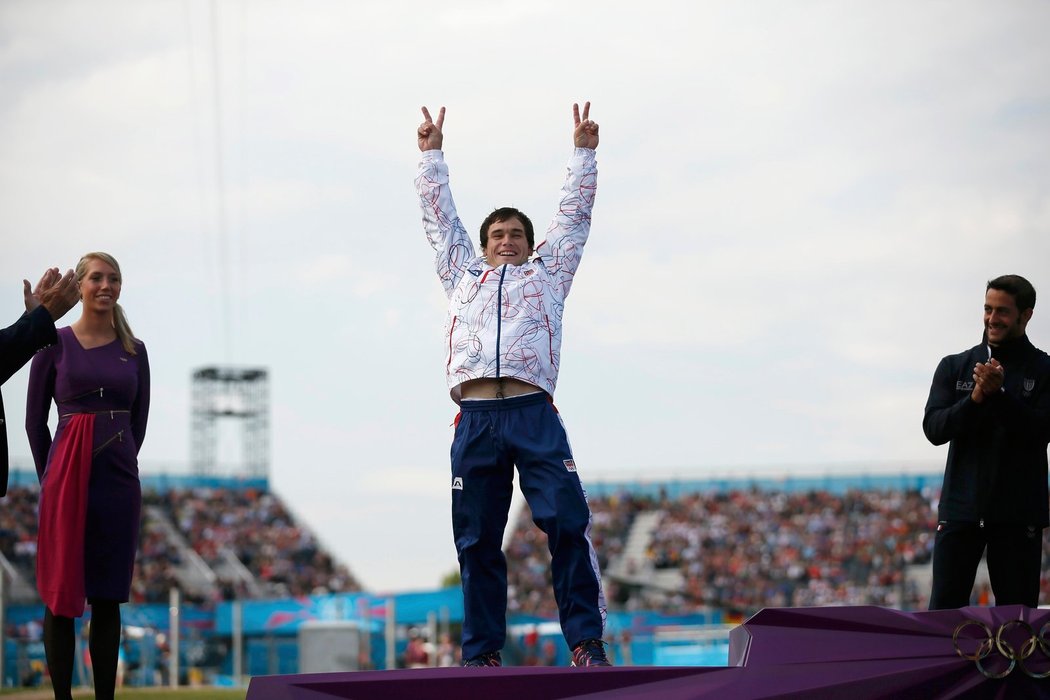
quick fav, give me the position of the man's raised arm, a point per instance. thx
(445, 232)
(568, 232)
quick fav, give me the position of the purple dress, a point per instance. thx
(112, 384)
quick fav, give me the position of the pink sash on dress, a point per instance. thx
(63, 517)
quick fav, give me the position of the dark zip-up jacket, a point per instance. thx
(18, 342)
(997, 464)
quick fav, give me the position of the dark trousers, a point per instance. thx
(1014, 560)
(492, 437)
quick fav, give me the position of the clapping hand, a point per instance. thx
(58, 293)
(988, 378)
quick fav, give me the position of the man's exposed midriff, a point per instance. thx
(491, 388)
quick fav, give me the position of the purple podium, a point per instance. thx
(869, 652)
(848, 652)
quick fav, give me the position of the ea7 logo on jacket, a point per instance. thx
(457, 483)
(964, 386)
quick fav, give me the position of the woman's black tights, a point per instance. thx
(59, 645)
(103, 643)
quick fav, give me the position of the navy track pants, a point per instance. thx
(492, 436)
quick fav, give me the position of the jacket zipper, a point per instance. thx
(499, 316)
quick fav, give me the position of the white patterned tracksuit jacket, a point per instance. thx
(506, 321)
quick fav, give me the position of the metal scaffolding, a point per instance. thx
(241, 393)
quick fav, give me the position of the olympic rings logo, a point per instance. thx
(998, 642)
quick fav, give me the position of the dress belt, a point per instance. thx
(96, 413)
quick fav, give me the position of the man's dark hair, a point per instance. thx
(503, 214)
(1016, 286)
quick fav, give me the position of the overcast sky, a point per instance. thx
(799, 204)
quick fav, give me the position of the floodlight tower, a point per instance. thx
(241, 393)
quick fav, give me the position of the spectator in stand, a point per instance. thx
(416, 655)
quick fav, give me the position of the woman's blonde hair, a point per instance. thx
(120, 319)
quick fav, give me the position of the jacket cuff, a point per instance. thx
(41, 317)
(584, 155)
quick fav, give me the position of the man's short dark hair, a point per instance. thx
(1016, 286)
(503, 214)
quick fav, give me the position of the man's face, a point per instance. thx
(507, 243)
(1002, 319)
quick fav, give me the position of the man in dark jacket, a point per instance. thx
(54, 295)
(992, 403)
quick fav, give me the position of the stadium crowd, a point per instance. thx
(255, 527)
(155, 564)
(736, 551)
(740, 551)
(18, 527)
(744, 550)
(528, 570)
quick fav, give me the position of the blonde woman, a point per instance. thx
(90, 498)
